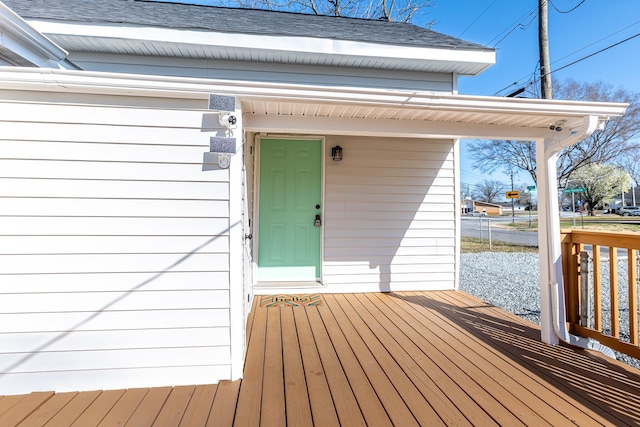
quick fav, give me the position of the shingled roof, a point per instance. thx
(232, 20)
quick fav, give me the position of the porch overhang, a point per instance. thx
(294, 108)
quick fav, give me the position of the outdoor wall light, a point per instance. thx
(336, 153)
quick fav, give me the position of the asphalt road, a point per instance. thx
(478, 227)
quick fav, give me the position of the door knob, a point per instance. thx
(317, 222)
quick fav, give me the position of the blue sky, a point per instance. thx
(592, 26)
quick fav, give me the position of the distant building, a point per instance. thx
(469, 205)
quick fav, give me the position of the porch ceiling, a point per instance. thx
(403, 113)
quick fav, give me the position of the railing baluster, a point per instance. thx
(630, 242)
(597, 281)
(633, 297)
(613, 283)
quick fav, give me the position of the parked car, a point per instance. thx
(477, 213)
(635, 213)
(626, 210)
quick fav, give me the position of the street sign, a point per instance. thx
(531, 189)
(575, 190)
(513, 194)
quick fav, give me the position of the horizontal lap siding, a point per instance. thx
(266, 72)
(114, 248)
(389, 215)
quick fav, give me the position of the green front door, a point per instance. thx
(290, 197)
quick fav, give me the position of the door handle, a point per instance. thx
(318, 221)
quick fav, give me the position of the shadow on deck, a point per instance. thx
(410, 358)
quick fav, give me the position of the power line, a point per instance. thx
(568, 11)
(514, 25)
(590, 55)
(535, 80)
(519, 26)
(479, 16)
(596, 42)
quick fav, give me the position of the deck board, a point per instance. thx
(22, 409)
(48, 409)
(97, 410)
(175, 406)
(150, 407)
(556, 369)
(405, 358)
(298, 409)
(322, 406)
(223, 409)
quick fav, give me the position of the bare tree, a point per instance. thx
(489, 191)
(388, 10)
(610, 145)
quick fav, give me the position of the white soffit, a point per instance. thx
(139, 40)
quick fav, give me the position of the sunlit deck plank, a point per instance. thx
(415, 407)
(298, 409)
(513, 375)
(322, 405)
(344, 398)
(175, 406)
(199, 407)
(250, 397)
(604, 389)
(507, 389)
(457, 369)
(273, 407)
(367, 398)
(415, 364)
(427, 360)
(71, 411)
(124, 408)
(48, 409)
(8, 402)
(98, 408)
(22, 409)
(150, 407)
(223, 408)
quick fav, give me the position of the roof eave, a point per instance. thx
(111, 38)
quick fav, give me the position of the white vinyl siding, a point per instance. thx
(265, 72)
(389, 215)
(114, 245)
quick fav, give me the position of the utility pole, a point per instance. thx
(543, 43)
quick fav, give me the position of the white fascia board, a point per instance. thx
(482, 58)
(102, 83)
(25, 41)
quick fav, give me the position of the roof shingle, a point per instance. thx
(232, 20)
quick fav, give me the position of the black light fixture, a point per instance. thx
(336, 153)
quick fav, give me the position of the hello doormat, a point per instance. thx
(284, 300)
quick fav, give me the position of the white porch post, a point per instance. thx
(236, 254)
(547, 194)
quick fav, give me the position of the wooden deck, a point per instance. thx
(417, 358)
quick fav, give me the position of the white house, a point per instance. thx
(160, 163)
